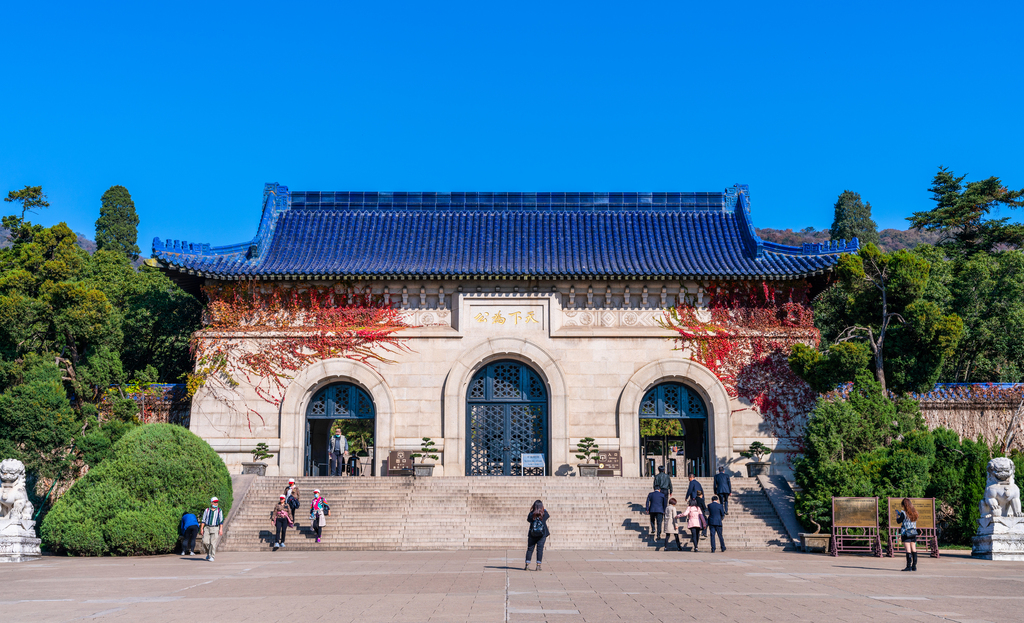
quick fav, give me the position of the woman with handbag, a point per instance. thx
(908, 532)
(318, 512)
(695, 522)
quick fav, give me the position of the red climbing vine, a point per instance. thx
(743, 332)
(266, 332)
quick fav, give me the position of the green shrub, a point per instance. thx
(96, 445)
(131, 502)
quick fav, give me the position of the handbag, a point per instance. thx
(703, 521)
(910, 533)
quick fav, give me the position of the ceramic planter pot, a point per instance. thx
(423, 470)
(260, 469)
(587, 470)
(758, 468)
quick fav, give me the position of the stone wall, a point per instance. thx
(974, 416)
(598, 346)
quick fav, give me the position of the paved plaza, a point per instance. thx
(492, 586)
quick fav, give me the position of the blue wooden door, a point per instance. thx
(506, 411)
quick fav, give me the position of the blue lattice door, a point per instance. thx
(507, 407)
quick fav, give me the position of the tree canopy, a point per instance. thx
(71, 326)
(961, 213)
(117, 228)
(853, 220)
(878, 303)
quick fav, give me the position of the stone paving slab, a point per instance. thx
(482, 586)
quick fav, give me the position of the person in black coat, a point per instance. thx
(695, 492)
(538, 518)
(656, 501)
(723, 488)
(715, 514)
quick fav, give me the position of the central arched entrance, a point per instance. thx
(673, 431)
(340, 404)
(507, 416)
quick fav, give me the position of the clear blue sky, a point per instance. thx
(193, 106)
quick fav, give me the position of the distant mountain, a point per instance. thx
(891, 239)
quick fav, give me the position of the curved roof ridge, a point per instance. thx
(461, 234)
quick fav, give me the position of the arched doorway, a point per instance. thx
(673, 431)
(507, 416)
(339, 401)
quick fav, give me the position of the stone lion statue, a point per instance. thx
(1002, 495)
(15, 507)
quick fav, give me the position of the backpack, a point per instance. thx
(537, 528)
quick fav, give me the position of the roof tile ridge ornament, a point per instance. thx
(738, 200)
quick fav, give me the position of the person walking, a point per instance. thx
(656, 509)
(662, 481)
(672, 524)
(704, 510)
(693, 488)
(211, 528)
(188, 528)
(293, 502)
(337, 453)
(281, 517)
(723, 488)
(538, 533)
(907, 517)
(318, 512)
(716, 512)
(694, 521)
(291, 488)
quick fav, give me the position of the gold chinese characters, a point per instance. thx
(511, 317)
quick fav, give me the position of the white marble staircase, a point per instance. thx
(407, 513)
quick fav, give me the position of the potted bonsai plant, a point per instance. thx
(588, 454)
(757, 467)
(816, 541)
(426, 449)
(258, 467)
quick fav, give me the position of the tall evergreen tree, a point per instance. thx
(961, 213)
(117, 228)
(853, 219)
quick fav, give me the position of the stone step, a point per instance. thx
(481, 513)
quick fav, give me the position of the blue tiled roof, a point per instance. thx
(363, 234)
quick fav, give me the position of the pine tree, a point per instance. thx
(117, 228)
(853, 220)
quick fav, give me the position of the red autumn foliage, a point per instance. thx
(743, 332)
(265, 333)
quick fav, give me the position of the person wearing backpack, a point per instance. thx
(188, 528)
(908, 532)
(292, 498)
(538, 533)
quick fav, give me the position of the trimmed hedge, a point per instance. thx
(130, 504)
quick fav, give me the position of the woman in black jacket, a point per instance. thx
(538, 533)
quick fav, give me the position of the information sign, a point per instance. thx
(855, 512)
(533, 460)
(609, 463)
(400, 463)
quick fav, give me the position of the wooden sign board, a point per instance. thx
(400, 463)
(925, 508)
(855, 512)
(609, 463)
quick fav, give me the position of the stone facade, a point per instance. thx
(598, 346)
